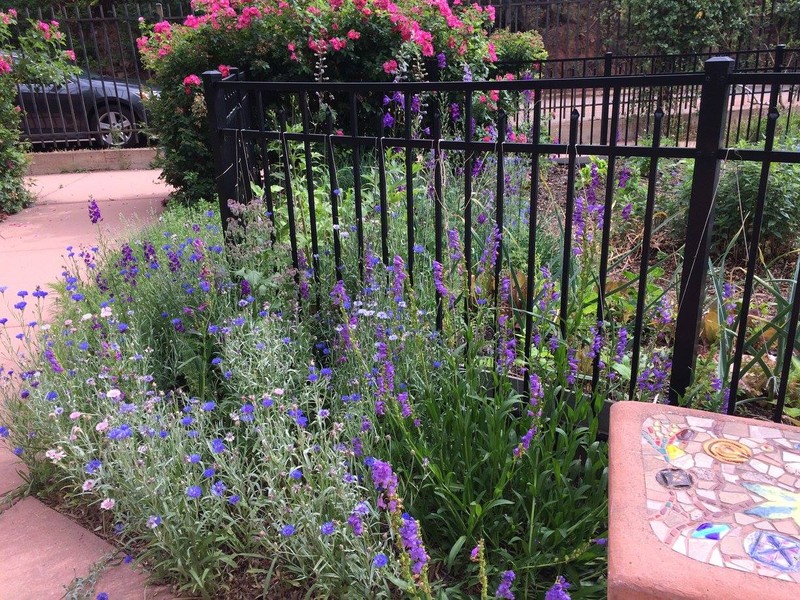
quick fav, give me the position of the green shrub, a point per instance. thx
(681, 26)
(33, 54)
(518, 46)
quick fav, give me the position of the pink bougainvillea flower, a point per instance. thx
(191, 81)
(70, 54)
(390, 67)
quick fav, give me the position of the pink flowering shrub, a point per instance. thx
(345, 40)
(33, 54)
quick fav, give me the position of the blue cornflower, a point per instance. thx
(208, 406)
(209, 472)
(218, 488)
(194, 491)
(380, 560)
(122, 327)
(92, 466)
(296, 473)
(153, 521)
(187, 420)
(101, 596)
(18, 451)
(3, 432)
(216, 360)
(288, 530)
(78, 297)
(327, 528)
(217, 446)
(234, 500)
(84, 345)
(193, 458)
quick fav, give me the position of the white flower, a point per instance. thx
(55, 455)
(113, 394)
(86, 317)
(105, 312)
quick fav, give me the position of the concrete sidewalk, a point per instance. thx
(41, 551)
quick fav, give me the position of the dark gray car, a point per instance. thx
(87, 108)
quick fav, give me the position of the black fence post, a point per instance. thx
(607, 62)
(700, 221)
(221, 145)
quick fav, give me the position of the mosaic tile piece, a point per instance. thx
(780, 503)
(710, 531)
(676, 479)
(725, 493)
(781, 552)
(728, 451)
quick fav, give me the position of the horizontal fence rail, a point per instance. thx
(263, 133)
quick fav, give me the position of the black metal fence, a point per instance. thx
(105, 103)
(263, 134)
(579, 28)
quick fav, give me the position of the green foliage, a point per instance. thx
(518, 47)
(684, 26)
(42, 58)
(301, 40)
(735, 203)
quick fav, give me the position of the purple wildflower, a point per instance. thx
(412, 542)
(339, 296)
(559, 590)
(622, 344)
(94, 212)
(504, 589)
(437, 279)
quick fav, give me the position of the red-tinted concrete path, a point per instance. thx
(42, 552)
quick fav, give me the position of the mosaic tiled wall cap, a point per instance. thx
(725, 492)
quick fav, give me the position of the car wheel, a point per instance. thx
(115, 126)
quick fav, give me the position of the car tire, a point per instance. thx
(115, 127)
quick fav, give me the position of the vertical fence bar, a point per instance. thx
(755, 238)
(533, 218)
(357, 184)
(710, 127)
(606, 235)
(221, 145)
(287, 186)
(310, 191)
(500, 198)
(566, 257)
(409, 188)
(788, 352)
(337, 242)
(438, 206)
(267, 177)
(383, 196)
(607, 62)
(645, 258)
(468, 162)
